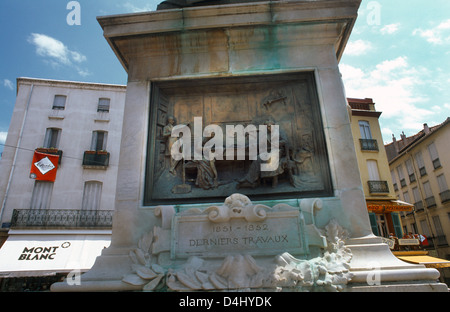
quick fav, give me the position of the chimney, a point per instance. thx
(403, 136)
(394, 142)
(426, 129)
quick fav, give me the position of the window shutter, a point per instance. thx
(42, 194)
(397, 224)
(364, 128)
(373, 223)
(372, 167)
(92, 195)
(59, 102)
(103, 105)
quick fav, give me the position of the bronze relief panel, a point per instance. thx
(286, 102)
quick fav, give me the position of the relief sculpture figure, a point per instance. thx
(207, 177)
(167, 134)
(303, 163)
(255, 175)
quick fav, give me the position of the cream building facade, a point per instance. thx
(420, 169)
(382, 203)
(81, 123)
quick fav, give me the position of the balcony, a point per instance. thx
(58, 218)
(403, 182)
(430, 201)
(436, 163)
(422, 171)
(95, 159)
(378, 187)
(368, 144)
(445, 196)
(418, 206)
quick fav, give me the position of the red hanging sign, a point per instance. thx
(44, 167)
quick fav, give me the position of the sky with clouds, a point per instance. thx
(398, 54)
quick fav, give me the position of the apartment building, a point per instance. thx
(420, 170)
(58, 177)
(382, 203)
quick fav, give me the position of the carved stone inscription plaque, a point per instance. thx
(197, 236)
(287, 101)
(238, 227)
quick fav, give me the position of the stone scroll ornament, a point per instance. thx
(328, 272)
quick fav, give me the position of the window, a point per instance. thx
(427, 188)
(442, 183)
(366, 141)
(425, 228)
(382, 226)
(394, 180)
(364, 128)
(52, 138)
(440, 235)
(373, 170)
(92, 195)
(444, 192)
(420, 163)
(434, 156)
(99, 140)
(414, 228)
(401, 175)
(406, 197)
(103, 105)
(418, 204)
(410, 170)
(59, 102)
(375, 183)
(42, 193)
(429, 198)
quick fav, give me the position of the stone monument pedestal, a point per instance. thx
(305, 227)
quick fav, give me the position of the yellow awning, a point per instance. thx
(428, 261)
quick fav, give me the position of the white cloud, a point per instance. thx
(57, 53)
(8, 84)
(439, 34)
(132, 8)
(358, 47)
(393, 85)
(77, 57)
(390, 29)
(3, 137)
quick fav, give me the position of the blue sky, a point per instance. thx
(398, 54)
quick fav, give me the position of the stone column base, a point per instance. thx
(376, 269)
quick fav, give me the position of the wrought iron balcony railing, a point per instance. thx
(96, 159)
(368, 144)
(436, 163)
(56, 218)
(422, 171)
(445, 196)
(377, 187)
(418, 206)
(430, 201)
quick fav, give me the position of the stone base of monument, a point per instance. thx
(242, 246)
(375, 268)
(245, 63)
